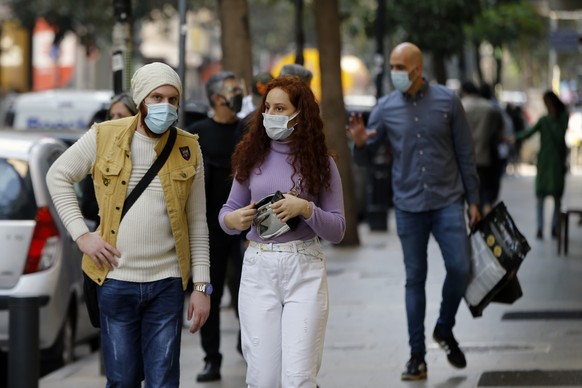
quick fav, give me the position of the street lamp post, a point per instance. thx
(299, 35)
(182, 61)
(1, 29)
(379, 58)
(121, 58)
(4, 14)
(379, 170)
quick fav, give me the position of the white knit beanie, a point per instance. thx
(152, 76)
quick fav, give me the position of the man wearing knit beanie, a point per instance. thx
(142, 257)
(152, 76)
(157, 115)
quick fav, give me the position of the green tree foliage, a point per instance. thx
(436, 26)
(91, 20)
(509, 24)
(275, 34)
(515, 22)
(358, 21)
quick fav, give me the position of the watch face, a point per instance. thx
(209, 289)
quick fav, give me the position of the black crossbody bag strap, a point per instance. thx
(151, 173)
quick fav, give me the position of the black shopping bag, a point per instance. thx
(498, 249)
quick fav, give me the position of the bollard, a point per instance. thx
(24, 354)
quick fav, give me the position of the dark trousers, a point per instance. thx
(225, 251)
(488, 186)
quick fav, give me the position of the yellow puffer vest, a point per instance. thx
(111, 173)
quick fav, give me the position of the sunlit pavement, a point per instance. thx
(366, 342)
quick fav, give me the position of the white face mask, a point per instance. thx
(400, 80)
(276, 125)
(160, 117)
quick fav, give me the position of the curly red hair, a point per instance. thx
(310, 156)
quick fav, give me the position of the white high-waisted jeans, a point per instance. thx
(283, 310)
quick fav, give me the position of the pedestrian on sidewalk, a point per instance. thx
(501, 156)
(217, 136)
(122, 105)
(283, 297)
(434, 175)
(486, 126)
(294, 69)
(551, 162)
(142, 262)
(258, 91)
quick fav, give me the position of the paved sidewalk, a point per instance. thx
(366, 343)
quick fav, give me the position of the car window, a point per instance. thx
(16, 194)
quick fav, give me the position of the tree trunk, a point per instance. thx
(332, 107)
(236, 38)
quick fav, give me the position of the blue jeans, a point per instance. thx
(141, 327)
(448, 227)
(555, 214)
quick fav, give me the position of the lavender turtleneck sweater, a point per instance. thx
(276, 173)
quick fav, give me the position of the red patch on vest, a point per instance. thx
(185, 151)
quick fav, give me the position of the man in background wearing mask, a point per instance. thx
(143, 261)
(299, 71)
(218, 140)
(434, 175)
(258, 90)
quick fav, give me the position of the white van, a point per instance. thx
(57, 109)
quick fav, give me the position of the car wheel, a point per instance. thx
(63, 350)
(68, 339)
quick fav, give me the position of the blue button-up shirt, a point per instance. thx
(432, 148)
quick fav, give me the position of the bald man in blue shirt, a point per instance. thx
(433, 178)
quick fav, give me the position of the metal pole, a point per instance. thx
(379, 58)
(1, 30)
(23, 354)
(121, 58)
(378, 171)
(182, 62)
(299, 35)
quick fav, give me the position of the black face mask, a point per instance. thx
(235, 103)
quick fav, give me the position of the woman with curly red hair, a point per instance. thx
(283, 297)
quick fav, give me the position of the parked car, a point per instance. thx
(57, 109)
(37, 254)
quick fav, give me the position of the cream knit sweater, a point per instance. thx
(145, 238)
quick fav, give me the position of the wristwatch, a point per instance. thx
(205, 288)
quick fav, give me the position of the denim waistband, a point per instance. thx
(308, 247)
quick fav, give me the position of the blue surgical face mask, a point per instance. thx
(400, 80)
(160, 117)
